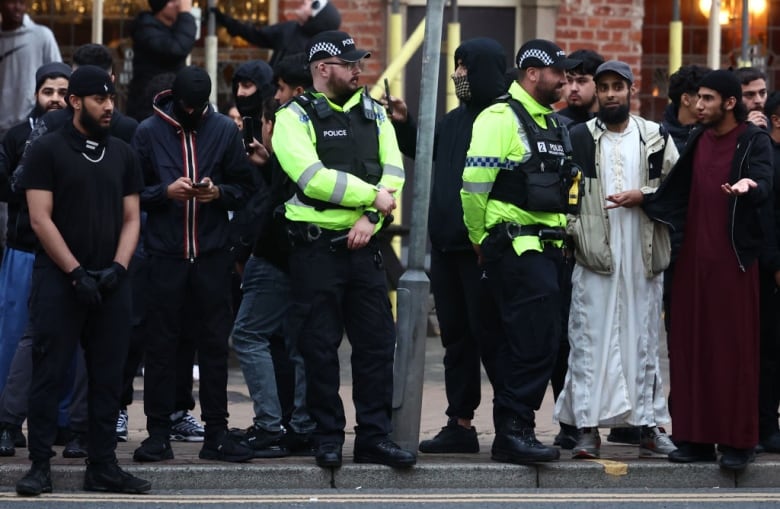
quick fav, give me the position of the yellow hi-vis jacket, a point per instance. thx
(295, 145)
(498, 137)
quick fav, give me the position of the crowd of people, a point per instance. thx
(561, 244)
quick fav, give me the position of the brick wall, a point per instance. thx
(613, 28)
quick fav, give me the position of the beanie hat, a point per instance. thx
(51, 70)
(157, 5)
(192, 86)
(90, 80)
(723, 82)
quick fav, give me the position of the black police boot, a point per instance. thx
(734, 458)
(37, 480)
(516, 442)
(328, 455)
(383, 451)
(109, 477)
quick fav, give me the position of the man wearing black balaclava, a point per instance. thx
(195, 170)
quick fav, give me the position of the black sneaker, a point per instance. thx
(567, 437)
(265, 444)
(154, 448)
(629, 436)
(109, 477)
(7, 444)
(37, 480)
(453, 438)
(225, 447)
(383, 452)
(77, 447)
(298, 444)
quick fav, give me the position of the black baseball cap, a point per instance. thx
(333, 43)
(543, 53)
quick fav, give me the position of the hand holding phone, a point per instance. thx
(200, 185)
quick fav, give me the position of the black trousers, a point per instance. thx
(60, 322)
(558, 378)
(334, 291)
(527, 291)
(469, 322)
(769, 379)
(202, 286)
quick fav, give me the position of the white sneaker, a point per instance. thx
(655, 443)
(121, 426)
(187, 429)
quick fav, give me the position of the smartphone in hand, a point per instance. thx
(387, 95)
(249, 134)
(200, 185)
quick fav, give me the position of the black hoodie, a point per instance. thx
(285, 38)
(486, 62)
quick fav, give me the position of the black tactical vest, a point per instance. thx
(348, 142)
(541, 184)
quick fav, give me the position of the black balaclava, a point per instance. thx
(486, 62)
(261, 74)
(191, 88)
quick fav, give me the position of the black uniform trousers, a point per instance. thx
(334, 291)
(527, 291)
(469, 322)
(60, 321)
(769, 380)
(204, 286)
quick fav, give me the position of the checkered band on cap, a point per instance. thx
(327, 47)
(540, 54)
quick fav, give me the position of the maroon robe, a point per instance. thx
(714, 337)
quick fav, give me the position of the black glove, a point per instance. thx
(218, 16)
(108, 279)
(85, 286)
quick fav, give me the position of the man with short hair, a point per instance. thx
(723, 175)
(680, 115)
(753, 83)
(580, 92)
(614, 376)
(515, 214)
(292, 77)
(339, 148)
(80, 294)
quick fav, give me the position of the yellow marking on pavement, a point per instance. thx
(611, 467)
(387, 498)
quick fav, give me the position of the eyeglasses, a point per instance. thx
(349, 65)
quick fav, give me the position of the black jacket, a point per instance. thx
(752, 159)
(190, 229)
(285, 38)
(679, 132)
(485, 60)
(770, 257)
(157, 49)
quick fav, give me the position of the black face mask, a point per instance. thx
(249, 105)
(188, 121)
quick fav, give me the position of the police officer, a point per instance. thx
(340, 149)
(515, 197)
(82, 188)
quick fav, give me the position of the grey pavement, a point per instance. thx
(619, 467)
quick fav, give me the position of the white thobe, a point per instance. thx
(614, 376)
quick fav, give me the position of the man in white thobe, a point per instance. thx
(614, 377)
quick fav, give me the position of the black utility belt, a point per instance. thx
(543, 232)
(298, 231)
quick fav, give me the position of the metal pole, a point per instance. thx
(453, 41)
(97, 22)
(745, 33)
(713, 36)
(414, 287)
(210, 51)
(675, 39)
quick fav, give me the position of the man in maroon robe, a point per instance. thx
(713, 195)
